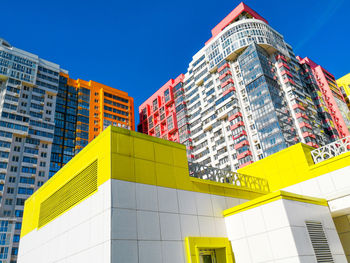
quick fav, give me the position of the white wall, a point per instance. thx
(128, 222)
(82, 234)
(333, 186)
(151, 222)
(276, 232)
(342, 224)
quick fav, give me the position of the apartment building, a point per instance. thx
(247, 96)
(83, 110)
(158, 113)
(29, 87)
(333, 96)
(344, 85)
(46, 118)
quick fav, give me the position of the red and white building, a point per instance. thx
(245, 96)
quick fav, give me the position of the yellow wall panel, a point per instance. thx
(293, 165)
(143, 149)
(145, 172)
(163, 154)
(123, 167)
(165, 175)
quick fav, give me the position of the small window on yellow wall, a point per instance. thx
(208, 250)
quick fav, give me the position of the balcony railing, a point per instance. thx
(242, 181)
(331, 150)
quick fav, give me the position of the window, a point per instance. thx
(14, 251)
(17, 149)
(19, 213)
(29, 170)
(167, 95)
(13, 169)
(20, 201)
(18, 225)
(155, 105)
(25, 191)
(18, 139)
(8, 201)
(15, 158)
(12, 179)
(7, 213)
(10, 190)
(170, 123)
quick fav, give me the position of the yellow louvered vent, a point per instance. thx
(75, 190)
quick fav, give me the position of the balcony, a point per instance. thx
(241, 144)
(223, 66)
(225, 74)
(238, 180)
(228, 90)
(234, 116)
(245, 164)
(298, 106)
(304, 124)
(236, 125)
(308, 134)
(301, 115)
(227, 82)
(239, 135)
(244, 154)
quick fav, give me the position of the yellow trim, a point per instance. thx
(292, 166)
(277, 195)
(221, 245)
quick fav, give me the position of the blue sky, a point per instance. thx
(137, 46)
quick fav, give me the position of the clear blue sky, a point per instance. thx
(136, 46)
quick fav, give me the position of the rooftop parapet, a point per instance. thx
(130, 156)
(299, 163)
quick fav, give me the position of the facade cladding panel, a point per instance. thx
(248, 96)
(46, 118)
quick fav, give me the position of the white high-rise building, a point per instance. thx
(28, 89)
(246, 96)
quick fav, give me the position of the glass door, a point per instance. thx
(207, 256)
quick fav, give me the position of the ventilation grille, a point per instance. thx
(319, 242)
(75, 190)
